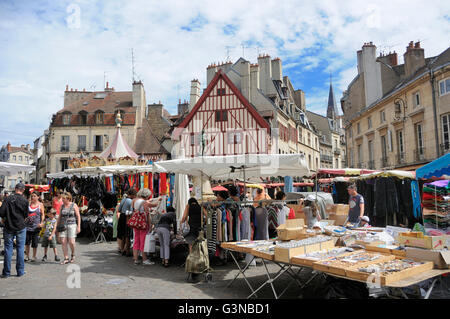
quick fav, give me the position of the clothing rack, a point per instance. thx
(252, 202)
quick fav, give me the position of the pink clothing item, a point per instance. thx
(139, 239)
(57, 205)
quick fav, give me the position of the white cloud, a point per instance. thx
(41, 53)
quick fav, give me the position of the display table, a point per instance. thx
(287, 268)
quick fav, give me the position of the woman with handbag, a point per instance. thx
(167, 220)
(69, 225)
(140, 223)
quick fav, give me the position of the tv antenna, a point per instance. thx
(228, 58)
(104, 78)
(132, 65)
(243, 50)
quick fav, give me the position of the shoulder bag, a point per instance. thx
(138, 220)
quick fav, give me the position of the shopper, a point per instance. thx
(356, 205)
(34, 223)
(70, 219)
(260, 195)
(141, 205)
(49, 238)
(311, 211)
(192, 215)
(57, 202)
(163, 228)
(123, 231)
(365, 220)
(13, 211)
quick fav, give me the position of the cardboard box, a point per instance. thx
(339, 220)
(293, 229)
(418, 239)
(342, 209)
(285, 254)
(330, 208)
(440, 258)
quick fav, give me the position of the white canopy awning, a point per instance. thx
(9, 169)
(233, 167)
(105, 170)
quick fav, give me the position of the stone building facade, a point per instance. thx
(86, 124)
(18, 155)
(397, 116)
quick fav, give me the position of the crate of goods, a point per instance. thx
(292, 229)
(247, 246)
(309, 259)
(418, 239)
(389, 272)
(387, 249)
(265, 252)
(286, 250)
(339, 265)
(297, 210)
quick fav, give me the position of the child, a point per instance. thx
(365, 222)
(49, 234)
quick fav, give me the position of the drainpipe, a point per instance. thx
(433, 93)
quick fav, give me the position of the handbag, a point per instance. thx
(138, 220)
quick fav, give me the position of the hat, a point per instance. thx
(311, 198)
(365, 218)
(351, 186)
(20, 186)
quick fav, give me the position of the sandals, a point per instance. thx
(26, 258)
(66, 261)
(72, 259)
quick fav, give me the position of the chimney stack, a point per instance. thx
(276, 69)
(414, 58)
(245, 79)
(8, 147)
(391, 58)
(195, 93)
(254, 77)
(265, 72)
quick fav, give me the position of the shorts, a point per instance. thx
(70, 232)
(46, 242)
(32, 238)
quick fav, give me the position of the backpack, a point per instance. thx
(198, 260)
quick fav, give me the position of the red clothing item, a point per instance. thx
(291, 214)
(57, 205)
(162, 184)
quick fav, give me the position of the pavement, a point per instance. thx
(103, 273)
(99, 272)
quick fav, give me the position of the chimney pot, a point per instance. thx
(107, 84)
(67, 87)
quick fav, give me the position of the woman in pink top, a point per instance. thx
(57, 202)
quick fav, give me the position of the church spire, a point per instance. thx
(332, 111)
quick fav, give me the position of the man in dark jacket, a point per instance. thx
(14, 211)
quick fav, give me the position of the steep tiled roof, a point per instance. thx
(111, 102)
(146, 141)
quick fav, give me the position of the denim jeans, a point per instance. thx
(20, 247)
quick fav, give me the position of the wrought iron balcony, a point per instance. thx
(337, 151)
(445, 148)
(401, 158)
(326, 158)
(384, 162)
(419, 154)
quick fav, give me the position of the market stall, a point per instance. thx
(390, 197)
(436, 195)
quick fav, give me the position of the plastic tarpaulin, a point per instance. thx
(345, 171)
(437, 169)
(254, 166)
(393, 173)
(9, 169)
(104, 170)
(322, 200)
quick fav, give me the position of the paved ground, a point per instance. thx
(105, 274)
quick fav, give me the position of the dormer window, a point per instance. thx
(99, 117)
(83, 117)
(66, 118)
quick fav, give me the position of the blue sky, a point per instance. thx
(48, 44)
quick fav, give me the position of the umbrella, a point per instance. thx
(219, 188)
